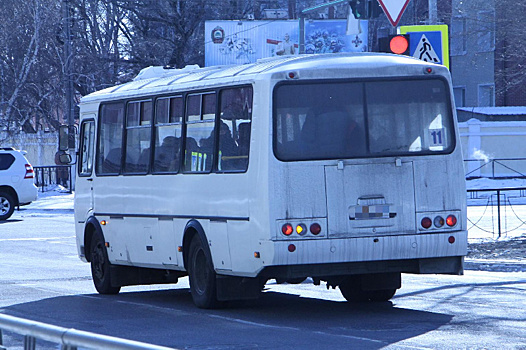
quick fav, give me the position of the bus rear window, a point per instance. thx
(328, 120)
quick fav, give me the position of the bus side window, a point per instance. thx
(234, 132)
(200, 128)
(87, 136)
(169, 115)
(109, 155)
(138, 135)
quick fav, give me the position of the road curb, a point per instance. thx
(495, 265)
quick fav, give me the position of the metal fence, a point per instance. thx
(497, 168)
(509, 215)
(67, 338)
(49, 175)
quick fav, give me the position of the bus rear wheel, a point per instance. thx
(100, 267)
(202, 276)
(352, 291)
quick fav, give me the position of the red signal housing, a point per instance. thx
(398, 44)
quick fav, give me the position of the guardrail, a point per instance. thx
(68, 339)
(53, 175)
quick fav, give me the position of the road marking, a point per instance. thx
(351, 337)
(253, 323)
(34, 239)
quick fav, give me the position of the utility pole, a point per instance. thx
(433, 12)
(68, 85)
(70, 106)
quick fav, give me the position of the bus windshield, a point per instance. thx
(349, 119)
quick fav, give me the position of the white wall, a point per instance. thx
(486, 141)
(41, 147)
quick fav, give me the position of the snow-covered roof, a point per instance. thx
(520, 110)
(159, 79)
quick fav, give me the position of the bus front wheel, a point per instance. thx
(201, 275)
(100, 267)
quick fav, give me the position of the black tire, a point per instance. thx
(351, 289)
(100, 267)
(201, 275)
(381, 295)
(7, 206)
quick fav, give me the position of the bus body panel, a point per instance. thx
(368, 249)
(242, 214)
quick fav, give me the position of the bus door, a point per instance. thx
(370, 199)
(84, 183)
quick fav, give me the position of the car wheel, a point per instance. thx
(7, 206)
(100, 267)
(201, 275)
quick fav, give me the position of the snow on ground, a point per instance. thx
(483, 223)
(54, 198)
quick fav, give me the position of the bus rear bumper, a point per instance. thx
(452, 265)
(420, 253)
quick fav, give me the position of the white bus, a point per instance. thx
(342, 168)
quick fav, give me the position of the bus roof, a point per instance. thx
(163, 79)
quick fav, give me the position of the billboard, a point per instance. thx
(329, 36)
(241, 42)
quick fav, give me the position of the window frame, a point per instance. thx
(201, 94)
(83, 125)
(449, 150)
(126, 129)
(155, 125)
(184, 123)
(98, 138)
(12, 159)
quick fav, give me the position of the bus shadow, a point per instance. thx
(275, 321)
(10, 221)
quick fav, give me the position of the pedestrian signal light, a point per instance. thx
(398, 44)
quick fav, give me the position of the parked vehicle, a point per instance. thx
(17, 182)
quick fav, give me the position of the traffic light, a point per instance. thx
(398, 44)
(359, 8)
(365, 9)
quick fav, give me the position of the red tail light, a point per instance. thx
(426, 222)
(30, 173)
(451, 220)
(287, 229)
(315, 229)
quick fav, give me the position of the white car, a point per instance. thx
(17, 182)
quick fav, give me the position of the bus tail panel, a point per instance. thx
(381, 202)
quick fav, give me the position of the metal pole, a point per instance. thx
(493, 168)
(498, 210)
(302, 33)
(433, 12)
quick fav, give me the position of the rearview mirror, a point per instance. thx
(65, 158)
(63, 138)
(66, 137)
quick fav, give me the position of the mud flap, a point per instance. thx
(237, 288)
(451, 265)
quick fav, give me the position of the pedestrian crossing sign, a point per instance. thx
(429, 43)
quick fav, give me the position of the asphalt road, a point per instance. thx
(42, 279)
